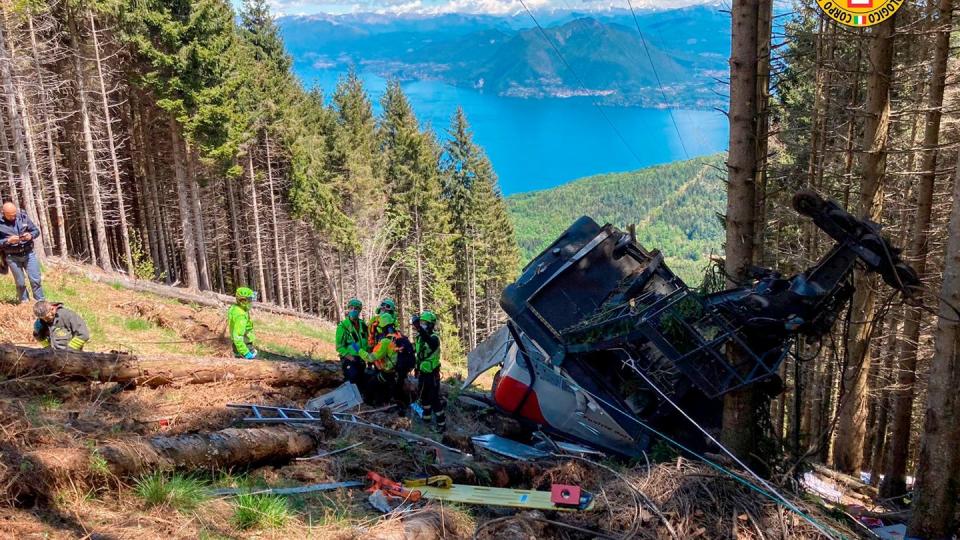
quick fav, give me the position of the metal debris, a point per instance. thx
(288, 491)
(345, 397)
(506, 447)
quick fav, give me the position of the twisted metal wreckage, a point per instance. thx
(606, 346)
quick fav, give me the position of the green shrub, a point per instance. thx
(182, 493)
(266, 511)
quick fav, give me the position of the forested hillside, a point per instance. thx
(675, 207)
(170, 140)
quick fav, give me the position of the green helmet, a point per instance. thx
(246, 293)
(387, 319)
(388, 305)
(355, 303)
(428, 316)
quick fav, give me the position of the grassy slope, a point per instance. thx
(143, 323)
(673, 205)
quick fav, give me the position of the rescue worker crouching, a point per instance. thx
(240, 325)
(351, 342)
(426, 349)
(58, 327)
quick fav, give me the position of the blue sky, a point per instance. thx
(492, 7)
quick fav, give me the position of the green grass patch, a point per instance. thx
(182, 493)
(138, 325)
(281, 350)
(322, 511)
(98, 464)
(260, 511)
(298, 327)
(50, 403)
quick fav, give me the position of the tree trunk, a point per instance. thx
(298, 283)
(19, 135)
(51, 149)
(899, 445)
(153, 202)
(114, 159)
(40, 202)
(764, 28)
(96, 198)
(885, 402)
(261, 279)
(198, 229)
(162, 371)
(937, 487)
(186, 213)
(278, 266)
(740, 407)
(240, 264)
(8, 163)
(851, 427)
(138, 152)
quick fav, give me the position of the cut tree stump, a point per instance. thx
(159, 371)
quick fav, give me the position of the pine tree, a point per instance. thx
(419, 218)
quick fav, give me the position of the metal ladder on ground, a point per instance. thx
(277, 415)
(289, 415)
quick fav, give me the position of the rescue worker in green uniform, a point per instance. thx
(383, 357)
(351, 342)
(426, 349)
(374, 329)
(240, 325)
(58, 327)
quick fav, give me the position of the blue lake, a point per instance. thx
(540, 143)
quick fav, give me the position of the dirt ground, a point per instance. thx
(37, 414)
(673, 499)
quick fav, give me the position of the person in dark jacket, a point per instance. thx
(426, 348)
(59, 328)
(17, 235)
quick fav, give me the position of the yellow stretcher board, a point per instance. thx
(516, 498)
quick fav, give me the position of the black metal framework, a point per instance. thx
(695, 338)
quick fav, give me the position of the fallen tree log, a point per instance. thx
(152, 371)
(218, 450)
(845, 480)
(187, 296)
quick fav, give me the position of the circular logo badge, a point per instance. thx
(857, 13)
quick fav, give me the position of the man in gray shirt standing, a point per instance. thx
(17, 234)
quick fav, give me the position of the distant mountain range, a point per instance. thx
(508, 56)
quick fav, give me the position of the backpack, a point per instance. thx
(406, 360)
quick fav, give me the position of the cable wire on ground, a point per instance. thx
(767, 491)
